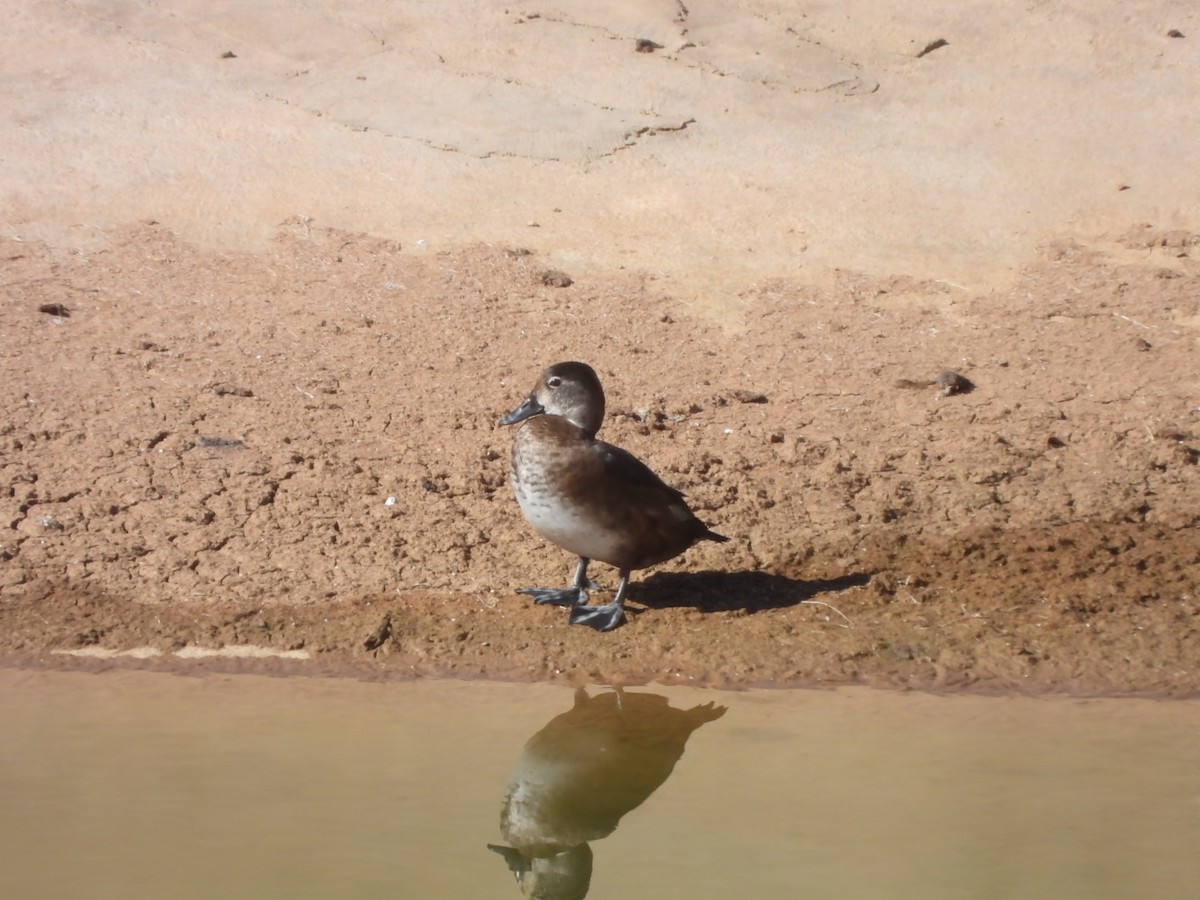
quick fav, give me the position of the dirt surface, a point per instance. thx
(296, 451)
(271, 274)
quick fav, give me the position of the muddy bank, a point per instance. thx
(296, 450)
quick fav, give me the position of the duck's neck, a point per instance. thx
(586, 420)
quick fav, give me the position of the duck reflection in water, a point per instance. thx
(579, 775)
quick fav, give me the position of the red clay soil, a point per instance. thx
(296, 451)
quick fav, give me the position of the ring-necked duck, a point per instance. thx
(591, 498)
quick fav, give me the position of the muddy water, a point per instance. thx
(130, 784)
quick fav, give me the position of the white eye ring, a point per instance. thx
(554, 381)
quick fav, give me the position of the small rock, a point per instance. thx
(952, 383)
(556, 278)
(224, 388)
(743, 396)
(645, 45)
(220, 443)
(55, 309)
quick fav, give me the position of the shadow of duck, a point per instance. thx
(750, 591)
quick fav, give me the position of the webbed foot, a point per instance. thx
(602, 618)
(572, 596)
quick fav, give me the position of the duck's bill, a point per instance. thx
(526, 410)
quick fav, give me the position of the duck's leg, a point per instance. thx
(573, 596)
(606, 617)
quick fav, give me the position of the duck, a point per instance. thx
(592, 499)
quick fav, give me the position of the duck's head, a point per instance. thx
(567, 389)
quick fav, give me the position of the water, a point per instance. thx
(135, 785)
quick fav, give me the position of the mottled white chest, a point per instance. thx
(561, 520)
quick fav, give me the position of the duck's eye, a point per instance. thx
(554, 381)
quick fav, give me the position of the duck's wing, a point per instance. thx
(623, 465)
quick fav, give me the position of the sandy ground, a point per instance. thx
(270, 278)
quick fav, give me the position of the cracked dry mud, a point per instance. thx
(296, 451)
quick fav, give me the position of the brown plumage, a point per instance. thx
(587, 496)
